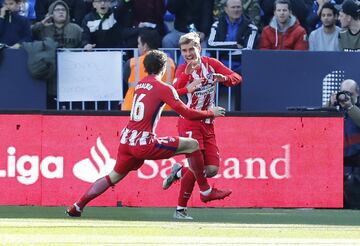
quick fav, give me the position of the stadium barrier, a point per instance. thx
(268, 160)
(272, 80)
(91, 77)
(276, 80)
(18, 89)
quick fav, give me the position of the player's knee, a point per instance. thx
(211, 171)
(115, 177)
(194, 145)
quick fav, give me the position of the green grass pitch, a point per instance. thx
(26, 225)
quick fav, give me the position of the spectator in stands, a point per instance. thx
(300, 8)
(14, 28)
(250, 8)
(349, 105)
(27, 9)
(313, 20)
(190, 16)
(104, 26)
(349, 37)
(76, 7)
(233, 30)
(325, 38)
(134, 69)
(284, 31)
(148, 14)
(56, 25)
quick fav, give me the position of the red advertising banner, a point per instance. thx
(266, 161)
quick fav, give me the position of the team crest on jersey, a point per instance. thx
(209, 76)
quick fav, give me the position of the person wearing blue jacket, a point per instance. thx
(14, 29)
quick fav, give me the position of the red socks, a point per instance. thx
(186, 188)
(96, 189)
(196, 162)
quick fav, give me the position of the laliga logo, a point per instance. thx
(88, 170)
(26, 168)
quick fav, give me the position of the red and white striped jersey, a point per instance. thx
(150, 97)
(204, 97)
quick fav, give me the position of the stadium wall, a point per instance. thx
(268, 160)
(285, 79)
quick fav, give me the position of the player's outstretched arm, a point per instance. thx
(223, 74)
(192, 114)
(170, 97)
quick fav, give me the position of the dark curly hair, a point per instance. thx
(155, 61)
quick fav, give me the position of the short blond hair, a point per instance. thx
(188, 37)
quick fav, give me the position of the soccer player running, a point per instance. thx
(138, 141)
(197, 78)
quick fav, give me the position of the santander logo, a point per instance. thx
(27, 169)
(98, 165)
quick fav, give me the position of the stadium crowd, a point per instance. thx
(239, 24)
(315, 25)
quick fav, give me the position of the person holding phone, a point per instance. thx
(57, 25)
(14, 29)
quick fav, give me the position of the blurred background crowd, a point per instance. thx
(315, 25)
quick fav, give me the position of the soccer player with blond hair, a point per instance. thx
(197, 79)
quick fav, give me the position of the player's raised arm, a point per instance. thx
(181, 80)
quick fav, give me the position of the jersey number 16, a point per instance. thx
(138, 108)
